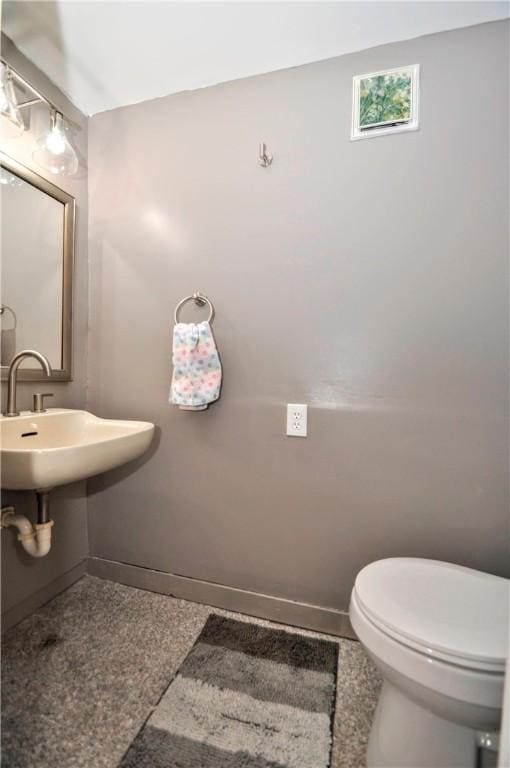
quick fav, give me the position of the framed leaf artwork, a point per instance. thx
(385, 102)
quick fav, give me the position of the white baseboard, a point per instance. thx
(317, 618)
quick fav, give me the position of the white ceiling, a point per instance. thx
(106, 54)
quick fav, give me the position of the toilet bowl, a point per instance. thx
(437, 632)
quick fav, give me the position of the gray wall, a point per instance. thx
(23, 577)
(368, 279)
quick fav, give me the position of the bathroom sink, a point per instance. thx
(41, 450)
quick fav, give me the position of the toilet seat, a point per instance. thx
(446, 612)
(469, 686)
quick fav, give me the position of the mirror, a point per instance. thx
(37, 242)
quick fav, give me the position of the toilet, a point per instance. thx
(437, 632)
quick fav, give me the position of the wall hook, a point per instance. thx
(265, 157)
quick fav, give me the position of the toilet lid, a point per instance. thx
(446, 611)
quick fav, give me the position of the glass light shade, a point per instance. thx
(53, 150)
(11, 120)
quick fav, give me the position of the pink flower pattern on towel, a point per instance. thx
(196, 379)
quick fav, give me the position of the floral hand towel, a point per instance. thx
(196, 379)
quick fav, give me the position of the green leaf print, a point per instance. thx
(385, 99)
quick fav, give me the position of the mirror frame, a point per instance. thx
(65, 372)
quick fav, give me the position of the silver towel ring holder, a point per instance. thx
(200, 300)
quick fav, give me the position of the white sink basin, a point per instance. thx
(41, 450)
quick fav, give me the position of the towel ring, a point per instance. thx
(200, 300)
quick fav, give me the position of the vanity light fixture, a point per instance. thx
(11, 124)
(53, 150)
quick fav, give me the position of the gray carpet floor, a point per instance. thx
(81, 675)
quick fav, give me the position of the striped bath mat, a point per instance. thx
(245, 697)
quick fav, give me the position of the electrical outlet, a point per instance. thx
(297, 420)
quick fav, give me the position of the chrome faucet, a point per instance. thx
(13, 376)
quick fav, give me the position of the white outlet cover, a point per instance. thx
(297, 420)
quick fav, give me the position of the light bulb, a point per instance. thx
(53, 150)
(55, 142)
